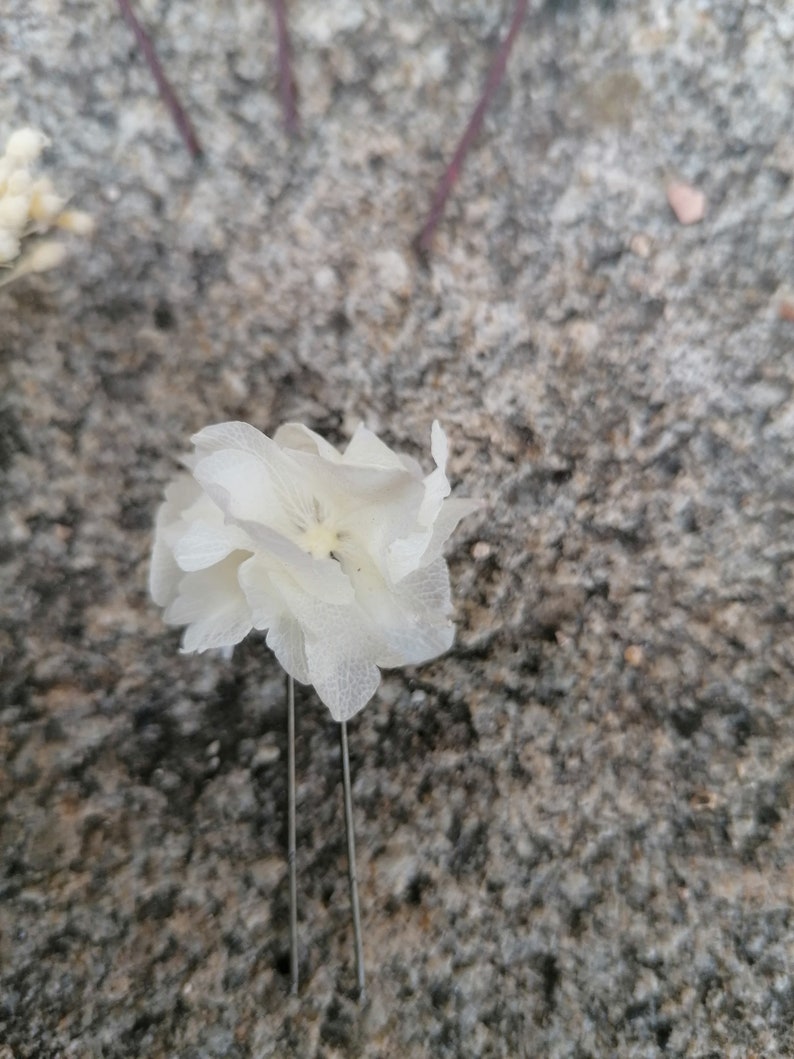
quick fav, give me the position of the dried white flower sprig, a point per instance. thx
(336, 555)
(30, 206)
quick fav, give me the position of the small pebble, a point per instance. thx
(686, 202)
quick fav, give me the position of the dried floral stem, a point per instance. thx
(167, 94)
(291, 839)
(286, 82)
(452, 172)
(351, 863)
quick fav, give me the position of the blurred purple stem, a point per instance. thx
(452, 172)
(286, 83)
(167, 94)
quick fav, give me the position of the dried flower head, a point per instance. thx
(30, 206)
(338, 555)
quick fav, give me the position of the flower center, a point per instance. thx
(319, 540)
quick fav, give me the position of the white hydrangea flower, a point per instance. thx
(29, 205)
(338, 555)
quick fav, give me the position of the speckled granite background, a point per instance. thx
(575, 831)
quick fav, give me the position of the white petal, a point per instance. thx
(241, 486)
(426, 593)
(297, 436)
(164, 573)
(264, 599)
(338, 622)
(233, 435)
(389, 625)
(179, 495)
(285, 639)
(376, 603)
(268, 487)
(425, 630)
(323, 580)
(438, 516)
(365, 449)
(221, 630)
(264, 590)
(414, 644)
(452, 511)
(373, 505)
(212, 605)
(202, 545)
(203, 509)
(206, 591)
(345, 685)
(437, 489)
(405, 555)
(438, 446)
(412, 618)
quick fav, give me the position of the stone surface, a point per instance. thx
(575, 831)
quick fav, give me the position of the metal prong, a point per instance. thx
(351, 863)
(291, 842)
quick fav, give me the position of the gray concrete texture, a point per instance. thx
(575, 830)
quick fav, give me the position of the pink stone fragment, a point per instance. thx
(686, 202)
